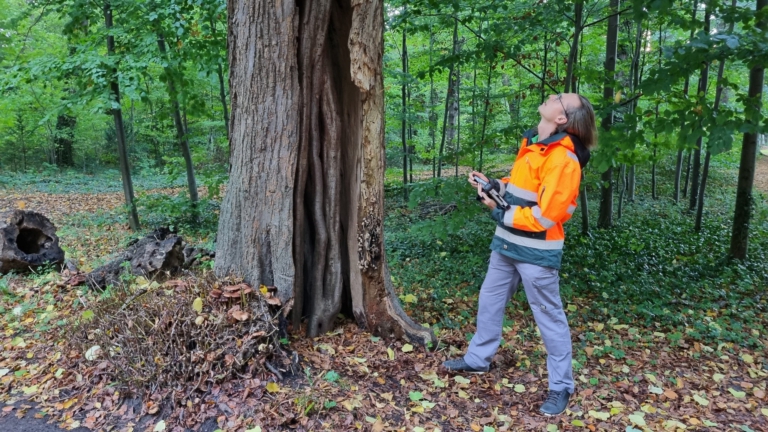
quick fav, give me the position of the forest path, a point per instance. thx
(761, 173)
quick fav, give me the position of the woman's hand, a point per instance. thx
(491, 204)
(478, 174)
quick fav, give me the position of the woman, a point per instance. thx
(528, 243)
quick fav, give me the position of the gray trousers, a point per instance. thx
(542, 288)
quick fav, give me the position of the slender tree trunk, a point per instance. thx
(486, 105)
(570, 85)
(222, 91)
(702, 96)
(544, 69)
(636, 74)
(744, 199)
(605, 219)
(117, 113)
(181, 130)
(687, 172)
(578, 16)
(679, 162)
(448, 98)
(64, 139)
(432, 113)
(457, 147)
(715, 109)
(656, 135)
(404, 122)
(623, 182)
(304, 205)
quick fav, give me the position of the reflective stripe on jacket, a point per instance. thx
(542, 188)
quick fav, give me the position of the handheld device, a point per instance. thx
(492, 190)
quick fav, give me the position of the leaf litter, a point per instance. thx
(349, 380)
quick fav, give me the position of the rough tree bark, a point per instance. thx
(744, 199)
(605, 218)
(304, 205)
(117, 114)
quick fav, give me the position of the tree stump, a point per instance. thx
(158, 253)
(28, 240)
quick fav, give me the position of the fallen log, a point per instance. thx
(28, 240)
(154, 256)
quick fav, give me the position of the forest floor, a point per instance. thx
(632, 378)
(761, 173)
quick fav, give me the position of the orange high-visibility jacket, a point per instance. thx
(542, 188)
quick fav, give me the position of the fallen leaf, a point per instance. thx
(737, 394)
(197, 305)
(637, 419)
(700, 400)
(273, 387)
(159, 427)
(599, 415)
(407, 348)
(93, 352)
(460, 379)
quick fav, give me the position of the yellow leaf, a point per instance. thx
(273, 387)
(748, 358)
(391, 353)
(21, 205)
(519, 388)
(764, 411)
(197, 305)
(599, 415)
(410, 298)
(407, 348)
(599, 326)
(460, 379)
(617, 97)
(718, 377)
(418, 409)
(263, 289)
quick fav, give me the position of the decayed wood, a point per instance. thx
(153, 256)
(28, 240)
(308, 162)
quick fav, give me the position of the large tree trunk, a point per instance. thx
(181, 127)
(304, 204)
(117, 114)
(605, 219)
(744, 201)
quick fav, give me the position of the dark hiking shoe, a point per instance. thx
(459, 365)
(556, 403)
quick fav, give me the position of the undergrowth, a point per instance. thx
(651, 269)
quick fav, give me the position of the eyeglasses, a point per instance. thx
(559, 97)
